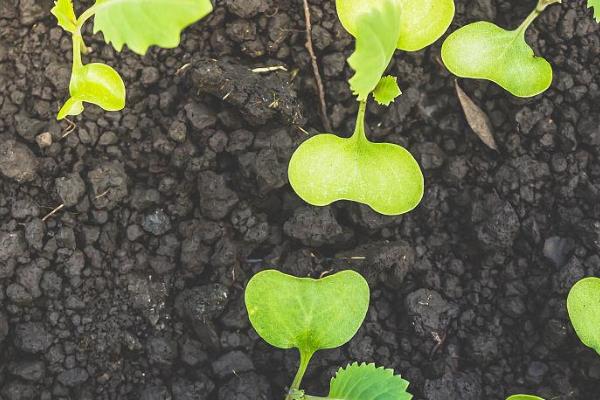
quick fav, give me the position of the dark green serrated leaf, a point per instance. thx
(367, 382)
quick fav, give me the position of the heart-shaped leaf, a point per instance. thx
(367, 382)
(483, 50)
(421, 22)
(65, 15)
(524, 397)
(308, 314)
(97, 84)
(327, 168)
(140, 24)
(583, 304)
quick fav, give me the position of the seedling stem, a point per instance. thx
(305, 357)
(359, 131)
(541, 6)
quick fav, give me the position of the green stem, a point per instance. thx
(541, 6)
(359, 130)
(304, 360)
(78, 43)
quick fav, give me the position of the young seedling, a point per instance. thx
(483, 50)
(316, 314)
(583, 305)
(524, 397)
(138, 24)
(327, 168)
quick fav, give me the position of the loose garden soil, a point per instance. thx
(134, 288)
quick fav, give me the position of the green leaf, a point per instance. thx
(596, 5)
(367, 382)
(524, 397)
(583, 304)
(421, 22)
(97, 84)
(387, 90)
(327, 168)
(378, 32)
(65, 15)
(140, 24)
(483, 50)
(308, 314)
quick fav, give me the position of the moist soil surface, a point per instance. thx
(134, 288)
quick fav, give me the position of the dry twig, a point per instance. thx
(51, 213)
(315, 66)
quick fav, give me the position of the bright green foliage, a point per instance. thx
(421, 22)
(524, 397)
(304, 313)
(137, 23)
(367, 382)
(483, 50)
(140, 24)
(327, 168)
(583, 304)
(97, 84)
(379, 31)
(387, 90)
(65, 15)
(596, 5)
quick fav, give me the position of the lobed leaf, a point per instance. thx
(327, 168)
(524, 397)
(97, 84)
(583, 305)
(140, 24)
(65, 15)
(304, 313)
(483, 50)
(367, 382)
(595, 4)
(421, 22)
(387, 90)
(378, 32)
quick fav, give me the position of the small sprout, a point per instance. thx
(483, 50)
(138, 24)
(327, 168)
(387, 90)
(524, 397)
(315, 314)
(367, 382)
(583, 305)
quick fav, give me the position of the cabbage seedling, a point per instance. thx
(316, 314)
(138, 24)
(327, 168)
(524, 397)
(583, 305)
(483, 50)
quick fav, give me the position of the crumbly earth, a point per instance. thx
(134, 289)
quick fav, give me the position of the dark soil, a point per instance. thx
(134, 289)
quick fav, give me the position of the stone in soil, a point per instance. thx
(17, 161)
